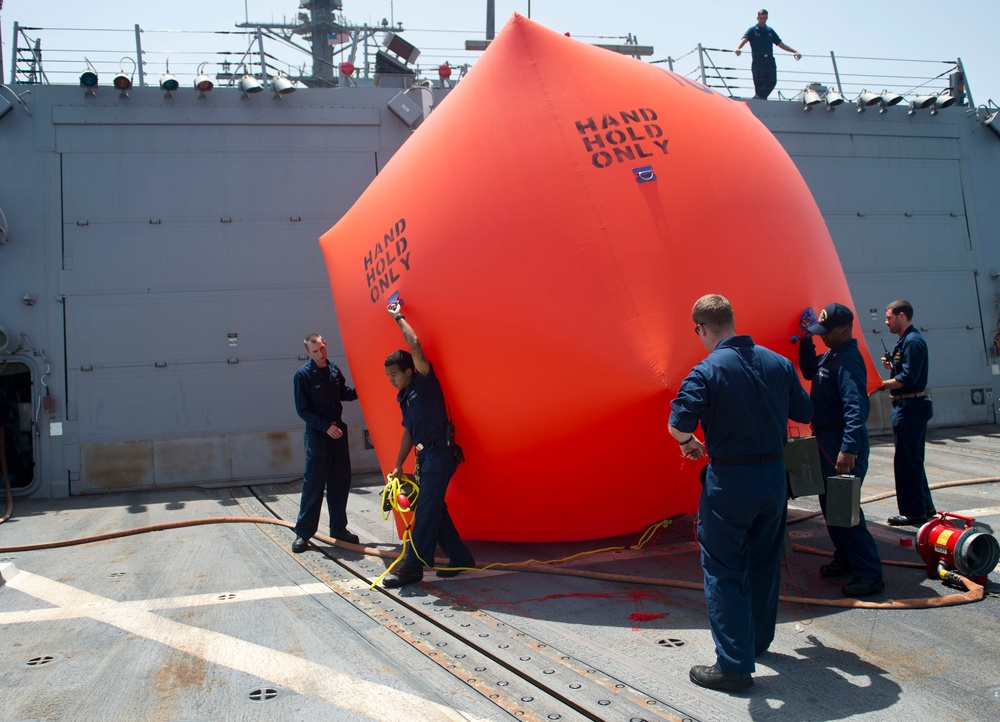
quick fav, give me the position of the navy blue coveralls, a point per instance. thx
(743, 395)
(426, 420)
(910, 415)
(765, 72)
(840, 414)
(318, 396)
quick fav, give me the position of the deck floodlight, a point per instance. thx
(250, 84)
(890, 98)
(168, 82)
(202, 82)
(921, 102)
(833, 98)
(945, 100)
(282, 85)
(88, 78)
(810, 98)
(123, 81)
(866, 100)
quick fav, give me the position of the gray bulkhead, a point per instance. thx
(911, 205)
(170, 245)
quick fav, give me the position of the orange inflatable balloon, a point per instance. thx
(549, 227)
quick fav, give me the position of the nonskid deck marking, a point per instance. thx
(301, 676)
(150, 605)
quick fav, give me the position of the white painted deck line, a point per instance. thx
(301, 676)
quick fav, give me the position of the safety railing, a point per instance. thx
(849, 76)
(266, 53)
(52, 55)
(130, 52)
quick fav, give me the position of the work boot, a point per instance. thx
(714, 678)
(404, 577)
(300, 545)
(346, 536)
(861, 587)
(901, 520)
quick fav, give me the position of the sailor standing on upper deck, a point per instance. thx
(762, 39)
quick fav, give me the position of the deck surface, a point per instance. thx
(222, 621)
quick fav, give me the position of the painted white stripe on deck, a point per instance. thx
(194, 600)
(292, 673)
(242, 595)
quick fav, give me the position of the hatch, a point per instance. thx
(17, 448)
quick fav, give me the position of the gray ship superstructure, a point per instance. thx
(159, 264)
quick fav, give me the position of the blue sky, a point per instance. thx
(915, 29)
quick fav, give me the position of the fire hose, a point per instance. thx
(973, 592)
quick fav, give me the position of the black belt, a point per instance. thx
(433, 441)
(744, 460)
(919, 395)
(827, 427)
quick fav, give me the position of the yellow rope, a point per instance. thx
(395, 486)
(646, 537)
(405, 484)
(650, 531)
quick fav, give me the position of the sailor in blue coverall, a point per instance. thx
(425, 427)
(762, 39)
(743, 395)
(911, 410)
(320, 389)
(840, 414)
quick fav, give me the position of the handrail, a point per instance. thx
(849, 74)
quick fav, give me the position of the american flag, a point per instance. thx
(332, 38)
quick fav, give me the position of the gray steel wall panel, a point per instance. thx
(138, 292)
(218, 112)
(193, 187)
(906, 185)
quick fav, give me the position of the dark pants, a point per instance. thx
(855, 545)
(328, 469)
(765, 76)
(741, 529)
(432, 524)
(909, 432)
